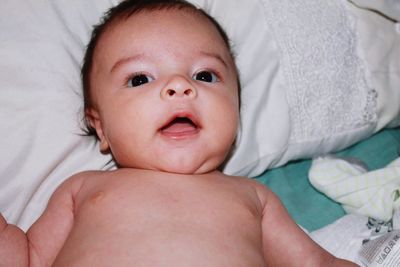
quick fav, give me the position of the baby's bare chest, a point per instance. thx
(194, 220)
(156, 204)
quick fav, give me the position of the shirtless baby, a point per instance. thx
(161, 95)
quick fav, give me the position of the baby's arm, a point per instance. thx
(286, 244)
(49, 233)
(13, 245)
(43, 241)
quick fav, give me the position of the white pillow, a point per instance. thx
(41, 49)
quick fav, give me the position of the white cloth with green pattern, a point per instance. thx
(375, 194)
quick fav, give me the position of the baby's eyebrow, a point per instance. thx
(216, 56)
(125, 60)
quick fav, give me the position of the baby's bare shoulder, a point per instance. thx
(75, 183)
(260, 191)
(92, 177)
(263, 192)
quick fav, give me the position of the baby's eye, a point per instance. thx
(138, 80)
(206, 76)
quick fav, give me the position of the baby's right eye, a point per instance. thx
(138, 80)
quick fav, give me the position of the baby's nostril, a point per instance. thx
(170, 92)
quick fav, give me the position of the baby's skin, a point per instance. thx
(145, 218)
(132, 217)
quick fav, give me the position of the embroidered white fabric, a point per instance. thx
(327, 87)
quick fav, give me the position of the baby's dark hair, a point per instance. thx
(124, 10)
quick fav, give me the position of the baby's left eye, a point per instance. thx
(206, 76)
(139, 79)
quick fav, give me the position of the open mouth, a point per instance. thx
(180, 126)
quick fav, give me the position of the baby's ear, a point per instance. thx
(93, 117)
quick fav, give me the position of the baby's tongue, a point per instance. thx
(179, 126)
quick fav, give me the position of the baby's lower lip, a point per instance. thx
(180, 131)
(180, 135)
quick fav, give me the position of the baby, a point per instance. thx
(161, 94)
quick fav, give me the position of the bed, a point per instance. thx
(317, 78)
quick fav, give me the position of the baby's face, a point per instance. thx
(165, 92)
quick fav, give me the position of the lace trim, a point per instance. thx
(328, 92)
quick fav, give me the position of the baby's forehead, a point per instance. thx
(117, 23)
(153, 14)
(146, 26)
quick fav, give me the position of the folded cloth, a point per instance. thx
(353, 238)
(344, 237)
(375, 194)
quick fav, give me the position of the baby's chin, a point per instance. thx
(191, 163)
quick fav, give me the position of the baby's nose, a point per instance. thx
(178, 86)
